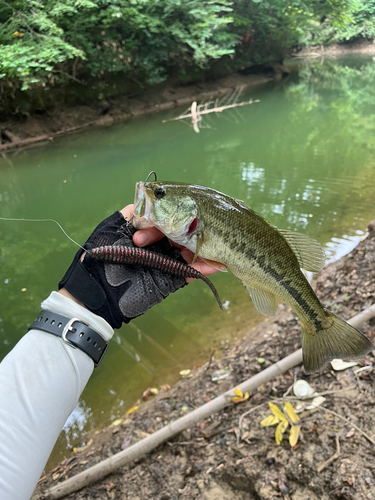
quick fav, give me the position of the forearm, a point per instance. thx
(41, 381)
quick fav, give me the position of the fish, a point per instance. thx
(120, 254)
(222, 230)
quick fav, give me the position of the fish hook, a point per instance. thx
(149, 175)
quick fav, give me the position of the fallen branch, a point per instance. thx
(330, 460)
(102, 469)
(229, 101)
(219, 109)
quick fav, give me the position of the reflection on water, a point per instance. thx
(303, 158)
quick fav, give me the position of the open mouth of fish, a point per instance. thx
(142, 207)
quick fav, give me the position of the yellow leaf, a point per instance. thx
(117, 422)
(294, 435)
(279, 433)
(241, 398)
(129, 412)
(270, 420)
(291, 413)
(283, 426)
(238, 392)
(277, 412)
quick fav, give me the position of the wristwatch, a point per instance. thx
(73, 332)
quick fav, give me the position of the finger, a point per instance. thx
(127, 212)
(145, 237)
(199, 264)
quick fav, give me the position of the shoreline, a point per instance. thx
(41, 129)
(38, 129)
(337, 49)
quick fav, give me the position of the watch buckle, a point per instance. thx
(69, 328)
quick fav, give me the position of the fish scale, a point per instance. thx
(219, 228)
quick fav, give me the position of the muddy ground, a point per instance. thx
(212, 460)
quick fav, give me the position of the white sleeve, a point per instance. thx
(41, 380)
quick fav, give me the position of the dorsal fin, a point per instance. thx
(309, 252)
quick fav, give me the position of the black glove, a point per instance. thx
(119, 292)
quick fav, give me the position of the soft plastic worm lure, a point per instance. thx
(116, 254)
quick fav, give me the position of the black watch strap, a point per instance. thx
(73, 332)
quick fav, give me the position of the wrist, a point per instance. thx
(70, 308)
(67, 294)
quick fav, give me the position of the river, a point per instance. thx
(303, 158)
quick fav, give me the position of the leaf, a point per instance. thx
(277, 412)
(280, 429)
(240, 400)
(294, 418)
(294, 435)
(270, 420)
(240, 396)
(117, 422)
(238, 392)
(129, 412)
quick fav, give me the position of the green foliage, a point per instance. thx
(44, 43)
(31, 42)
(358, 23)
(48, 41)
(269, 30)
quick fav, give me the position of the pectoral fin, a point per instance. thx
(197, 248)
(309, 252)
(264, 302)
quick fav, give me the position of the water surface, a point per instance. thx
(304, 158)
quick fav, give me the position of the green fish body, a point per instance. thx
(222, 229)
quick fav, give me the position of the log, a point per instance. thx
(102, 469)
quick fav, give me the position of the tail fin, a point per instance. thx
(340, 340)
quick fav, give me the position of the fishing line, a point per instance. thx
(46, 220)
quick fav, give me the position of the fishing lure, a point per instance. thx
(117, 254)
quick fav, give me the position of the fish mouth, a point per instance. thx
(142, 207)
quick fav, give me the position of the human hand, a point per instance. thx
(120, 292)
(145, 237)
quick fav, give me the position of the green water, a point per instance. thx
(304, 158)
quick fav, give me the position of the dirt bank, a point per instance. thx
(38, 128)
(212, 461)
(338, 49)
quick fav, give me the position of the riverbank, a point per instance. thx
(212, 460)
(27, 130)
(337, 49)
(41, 128)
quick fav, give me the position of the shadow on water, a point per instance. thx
(304, 158)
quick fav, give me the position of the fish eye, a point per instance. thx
(159, 192)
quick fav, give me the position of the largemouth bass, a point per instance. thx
(221, 229)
